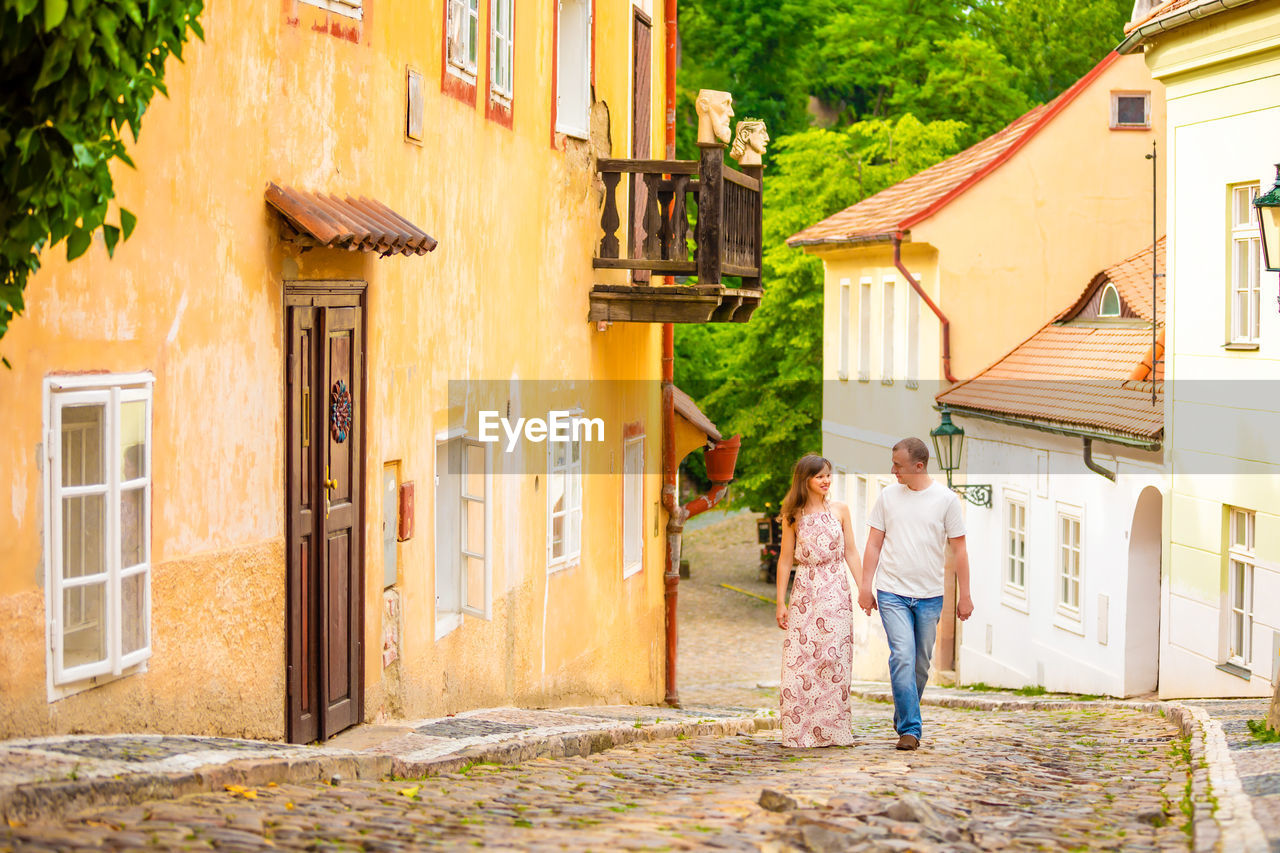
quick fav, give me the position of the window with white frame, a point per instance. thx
(886, 331)
(464, 527)
(1246, 264)
(573, 67)
(1015, 537)
(632, 505)
(913, 338)
(842, 366)
(1069, 564)
(1240, 571)
(501, 49)
(1130, 110)
(98, 524)
(564, 503)
(864, 329)
(463, 43)
(1109, 305)
(350, 8)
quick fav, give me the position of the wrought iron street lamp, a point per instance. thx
(948, 443)
(1268, 207)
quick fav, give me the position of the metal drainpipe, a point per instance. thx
(1094, 466)
(675, 513)
(942, 318)
(675, 516)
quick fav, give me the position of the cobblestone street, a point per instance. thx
(1064, 779)
(1048, 780)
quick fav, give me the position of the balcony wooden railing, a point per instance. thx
(726, 240)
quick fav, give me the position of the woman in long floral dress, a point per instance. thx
(817, 654)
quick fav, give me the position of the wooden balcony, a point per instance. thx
(726, 241)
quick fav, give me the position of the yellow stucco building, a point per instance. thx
(246, 491)
(996, 238)
(1219, 63)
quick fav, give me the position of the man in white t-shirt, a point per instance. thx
(911, 525)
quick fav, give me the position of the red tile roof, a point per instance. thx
(1082, 375)
(909, 202)
(1132, 280)
(1159, 11)
(359, 224)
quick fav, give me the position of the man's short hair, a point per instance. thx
(916, 449)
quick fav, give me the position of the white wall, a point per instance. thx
(1017, 640)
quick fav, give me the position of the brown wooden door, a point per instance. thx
(325, 487)
(641, 127)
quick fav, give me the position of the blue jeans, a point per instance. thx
(910, 625)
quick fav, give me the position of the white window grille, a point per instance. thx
(464, 527)
(463, 36)
(350, 8)
(564, 503)
(1015, 576)
(632, 506)
(1246, 266)
(1069, 565)
(98, 524)
(1241, 560)
(501, 50)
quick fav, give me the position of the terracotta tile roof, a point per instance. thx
(1170, 15)
(1081, 374)
(687, 409)
(904, 204)
(1132, 280)
(360, 225)
(1159, 11)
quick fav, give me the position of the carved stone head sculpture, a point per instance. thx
(715, 108)
(749, 142)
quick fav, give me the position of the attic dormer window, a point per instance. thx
(1110, 306)
(1130, 110)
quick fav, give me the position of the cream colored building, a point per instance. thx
(998, 237)
(1220, 64)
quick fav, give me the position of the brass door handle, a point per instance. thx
(331, 484)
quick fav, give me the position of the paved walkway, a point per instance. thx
(996, 770)
(1070, 779)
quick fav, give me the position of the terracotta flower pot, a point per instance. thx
(721, 459)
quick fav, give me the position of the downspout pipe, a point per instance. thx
(1094, 466)
(675, 512)
(942, 318)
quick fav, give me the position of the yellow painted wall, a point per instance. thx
(1221, 411)
(292, 94)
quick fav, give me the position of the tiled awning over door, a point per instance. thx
(357, 224)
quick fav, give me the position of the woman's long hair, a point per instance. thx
(809, 465)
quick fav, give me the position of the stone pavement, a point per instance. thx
(996, 771)
(1081, 778)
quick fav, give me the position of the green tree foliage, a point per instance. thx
(763, 379)
(73, 75)
(903, 84)
(1052, 43)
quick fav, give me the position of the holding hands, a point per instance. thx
(866, 600)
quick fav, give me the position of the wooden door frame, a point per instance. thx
(335, 293)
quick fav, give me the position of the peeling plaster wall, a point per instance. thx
(288, 93)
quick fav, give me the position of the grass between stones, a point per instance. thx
(1261, 733)
(1181, 751)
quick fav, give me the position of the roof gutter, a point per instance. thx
(1005, 420)
(1135, 38)
(942, 318)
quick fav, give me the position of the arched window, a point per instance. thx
(1110, 302)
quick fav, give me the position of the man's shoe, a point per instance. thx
(908, 742)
